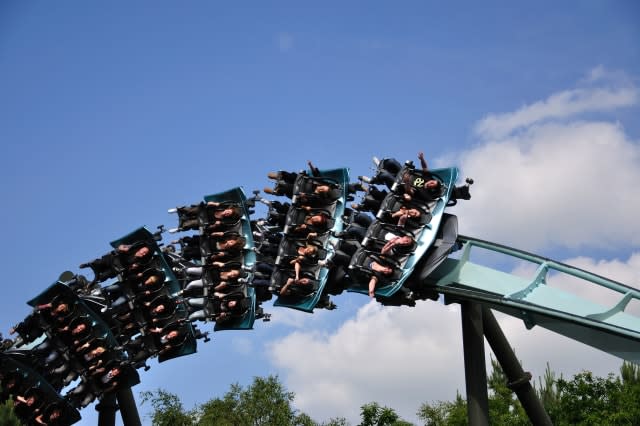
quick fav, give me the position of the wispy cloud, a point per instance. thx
(617, 93)
(553, 182)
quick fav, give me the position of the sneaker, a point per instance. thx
(364, 179)
(358, 187)
(173, 230)
(376, 161)
(173, 210)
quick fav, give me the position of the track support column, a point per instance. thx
(128, 408)
(519, 381)
(474, 364)
(106, 409)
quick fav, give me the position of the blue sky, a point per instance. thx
(110, 113)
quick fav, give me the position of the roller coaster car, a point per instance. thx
(184, 345)
(189, 217)
(380, 233)
(460, 193)
(444, 244)
(413, 182)
(237, 312)
(227, 225)
(105, 267)
(247, 257)
(289, 249)
(297, 216)
(280, 277)
(19, 379)
(29, 329)
(306, 187)
(393, 203)
(361, 270)
(151, 280)
(189, 250)
(142, 237)
(234, 215)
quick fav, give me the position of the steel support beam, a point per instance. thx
(474, 364)
(106, 409)
(128, 408)
(519, 381)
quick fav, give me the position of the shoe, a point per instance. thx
(173, 210)
(364, 179)
(358, 187)
(269, 191)
(173, 230)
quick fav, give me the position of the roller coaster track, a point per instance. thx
(606, 327)
(612, 324)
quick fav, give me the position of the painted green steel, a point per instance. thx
(8, 363)
(171, 284)
(236, 195)
(424, 241)
(307, 304)
(609, 327)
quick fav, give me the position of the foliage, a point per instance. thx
(7, 416)
(583, 400)
(265, 402)
(373, 414)
(336, 421)
(443, 413)
(167, 409)
(590, 400)
(504, 407)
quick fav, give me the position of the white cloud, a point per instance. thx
(541, 181)
(555, 184)
(402, 357)
(563, 104)
(383, 354)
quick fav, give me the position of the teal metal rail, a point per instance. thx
(610, 328)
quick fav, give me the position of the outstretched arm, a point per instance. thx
(314, 170)
(423, 162)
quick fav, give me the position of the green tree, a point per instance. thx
(7, 416)
(167, 409)
(583, 400)
(336, 421)
(373, 414)
(445, 413)
(266, 402)
(504, 407)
